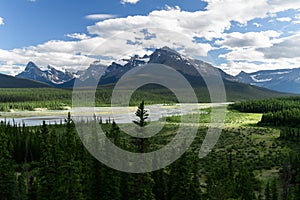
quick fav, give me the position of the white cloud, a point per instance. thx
(1, 21)
(282, 53)
(286, 48)
(284, 19)
(79, 36)
(114, 38)
(296, 20)
(246, 40)
(100, 16)
(129, 1)
(257, 25)
(282, 5)
(234, 67)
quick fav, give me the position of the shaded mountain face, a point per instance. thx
(283, 80)
(111, 74)
(50, 76)
(187, 67)
(195, 71)
(14, 82)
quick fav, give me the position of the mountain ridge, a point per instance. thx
(282, 80)
(7, 81)
(195, 71)
(50, 76)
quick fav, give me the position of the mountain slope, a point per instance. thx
(189, 68)
(283, 80)
(50, 76)
(195, 71)
(13, 82)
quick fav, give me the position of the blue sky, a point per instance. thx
(234, 35)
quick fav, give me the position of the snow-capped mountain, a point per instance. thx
(287, 80)
(165, 55)
(95, 70)
(50, 76)
(113, 72)
(195, 71)
(283, 80)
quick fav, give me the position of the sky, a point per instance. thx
(234, 35)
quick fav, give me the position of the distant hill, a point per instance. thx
(282, 80)
(14, 82)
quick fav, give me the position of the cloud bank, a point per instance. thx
(196, 34)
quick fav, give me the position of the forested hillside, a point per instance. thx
(249, 162)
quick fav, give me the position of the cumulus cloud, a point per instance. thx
(1, 21)
(282, 5)
(113, 38)
(250, 39)
(286, 48)
(284, 19)
(296, 20)
(129, 1)
(257, 25)
(282, 53)
(100, 16)
(79, 36)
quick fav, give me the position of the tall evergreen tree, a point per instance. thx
(142, 115)
(142, 185)
(70, 166)
(7, 176)
(180, 179)
(111, 177)
(274, 190)
(268, 192)
(47, 177)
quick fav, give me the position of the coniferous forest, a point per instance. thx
(256, 157)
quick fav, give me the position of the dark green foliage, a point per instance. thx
(288, 118)
(274, 190)
(160, 188)
(141, 143)
(50, 162)
(47, 181)
(142, 184)
(267, 105)
(268, 192)
(184, 180)
(7, 176)
(70, 165)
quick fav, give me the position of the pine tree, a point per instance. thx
(142, 184)
(47, 177)
(268, 192)
(70, 166)
(7, 177)
(111, 177)
(274, 190)
(142, 114)
(180, 179)
(160, 188)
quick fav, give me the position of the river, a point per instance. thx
(118, 114)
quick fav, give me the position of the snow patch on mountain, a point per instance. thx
(260, 80)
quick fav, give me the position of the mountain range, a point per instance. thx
(51, 76)
(236, 87)
(282, 80)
